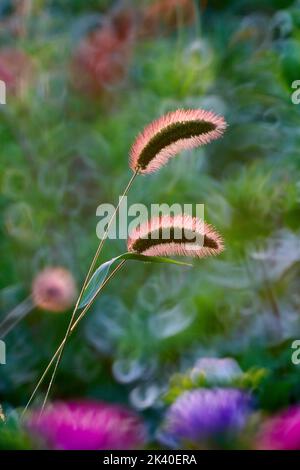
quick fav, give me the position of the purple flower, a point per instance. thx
(203, 414)
(87, 425)
(281, 432)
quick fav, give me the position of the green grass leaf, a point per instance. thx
(101, 273)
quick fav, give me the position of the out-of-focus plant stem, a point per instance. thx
(15, 316)
(72, 328)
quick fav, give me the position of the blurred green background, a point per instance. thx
(83, 78)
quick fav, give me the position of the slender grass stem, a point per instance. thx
(73, 327)
(91, 268)
(15, 316)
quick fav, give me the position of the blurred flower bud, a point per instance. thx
(166, 15)
(101, 60)
(16, 70)
(54, 289)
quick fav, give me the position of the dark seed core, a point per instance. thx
(171, 134)
(52, 292)
(161, 237)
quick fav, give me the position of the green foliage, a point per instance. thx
(62, 154)
(101, 274)
(12, 435)
(179, 383)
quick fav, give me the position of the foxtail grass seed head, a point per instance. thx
(176, 131)
(54, 289)
(181, 235)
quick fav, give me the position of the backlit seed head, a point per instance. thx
(181, 235)
(176, 131)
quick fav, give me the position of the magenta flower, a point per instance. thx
(281, 432)
(87, 425)
(204, 414)
(181, 235)
(170, 134)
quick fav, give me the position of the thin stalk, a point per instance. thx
(91, 268)
(15, 316)
(80, 317)
(270, 294)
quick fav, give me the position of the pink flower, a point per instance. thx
(87, 425)
(181, 235)
(166, 15)
(54, 289)
(16, 70)
(172, 133)
(281, 432)
(102, 58)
